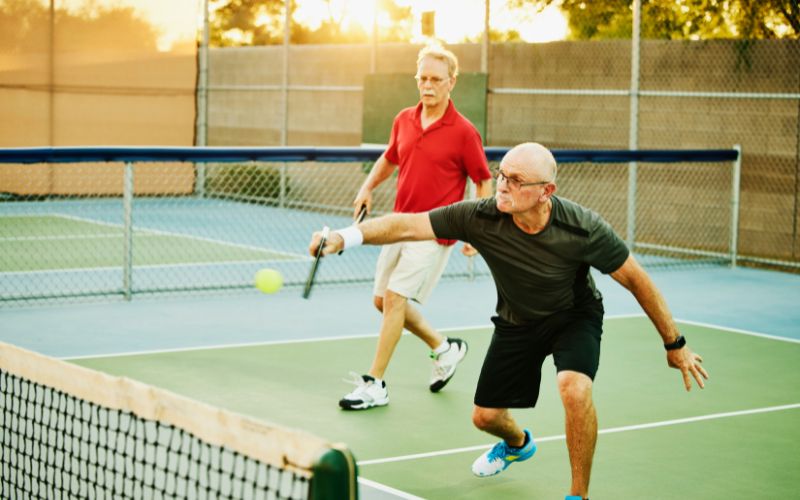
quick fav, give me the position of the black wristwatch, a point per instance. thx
(680, 342)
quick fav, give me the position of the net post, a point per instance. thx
(127, 242)
(334, 475)
(735, 193)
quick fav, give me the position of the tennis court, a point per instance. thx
(282, 359)
(253, 147)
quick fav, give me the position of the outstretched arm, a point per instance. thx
(387, 229)
(638, 282)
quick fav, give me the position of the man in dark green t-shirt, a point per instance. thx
(539, 248)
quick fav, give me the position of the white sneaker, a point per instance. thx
(444, 364)
(366, 394)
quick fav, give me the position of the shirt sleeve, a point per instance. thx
(606, 251)
(391, 150)
(451, 222)
(475, 157)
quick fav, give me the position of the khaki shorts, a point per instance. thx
(411, 268)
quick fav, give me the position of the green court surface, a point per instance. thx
(735, 439)
(52, 242)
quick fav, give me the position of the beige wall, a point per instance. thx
(97, 99)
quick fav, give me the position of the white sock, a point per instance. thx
(443, 347)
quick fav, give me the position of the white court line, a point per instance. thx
(375, 335)
(613, 430)
(257, 344)
(151, 266)
(143, 231)
(61, 238)
(738, 330)
(388, 489)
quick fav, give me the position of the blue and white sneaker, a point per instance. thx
(501, 456)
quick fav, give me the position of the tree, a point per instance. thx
(247, 22)
(682, 19)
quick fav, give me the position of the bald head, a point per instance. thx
(534, 159)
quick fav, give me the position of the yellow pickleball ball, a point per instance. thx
(269, 280)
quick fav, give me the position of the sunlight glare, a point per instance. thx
(548, 26)
(460, 20)
(348, 13)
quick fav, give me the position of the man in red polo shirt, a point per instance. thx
(435, 149)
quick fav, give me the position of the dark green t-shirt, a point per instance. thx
(536, 275)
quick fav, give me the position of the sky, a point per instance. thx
(455, 19)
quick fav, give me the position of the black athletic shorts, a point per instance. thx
(512, 369)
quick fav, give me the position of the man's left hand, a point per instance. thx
(688, 363)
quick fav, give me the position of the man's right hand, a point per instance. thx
(334, 243)
(363, 199)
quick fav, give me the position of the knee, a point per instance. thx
(575, 389)
(392, 301)
(482, 418)
(378, 302)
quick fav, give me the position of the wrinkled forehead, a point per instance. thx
(432, 66)
(518, 163)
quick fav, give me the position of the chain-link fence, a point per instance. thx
(138, 228)
(600, 94)
(603, 94)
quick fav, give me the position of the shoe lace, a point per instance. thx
(438, 369)
(499, 451)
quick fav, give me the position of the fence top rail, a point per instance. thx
(76, 154)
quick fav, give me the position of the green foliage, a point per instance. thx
(247, 17)
(248, 182)
(683, 19)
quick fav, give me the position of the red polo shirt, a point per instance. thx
(434, 163)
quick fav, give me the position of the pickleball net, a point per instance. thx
(72, 432)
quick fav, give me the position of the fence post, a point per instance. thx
(283, 186)
(633, 132)
(127, 242)
(735, 193)
(472, 193)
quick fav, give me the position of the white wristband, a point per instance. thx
(352, 236)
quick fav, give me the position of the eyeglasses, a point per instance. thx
(434, 80)
(516, 183)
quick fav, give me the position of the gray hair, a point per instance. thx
(442, 54)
